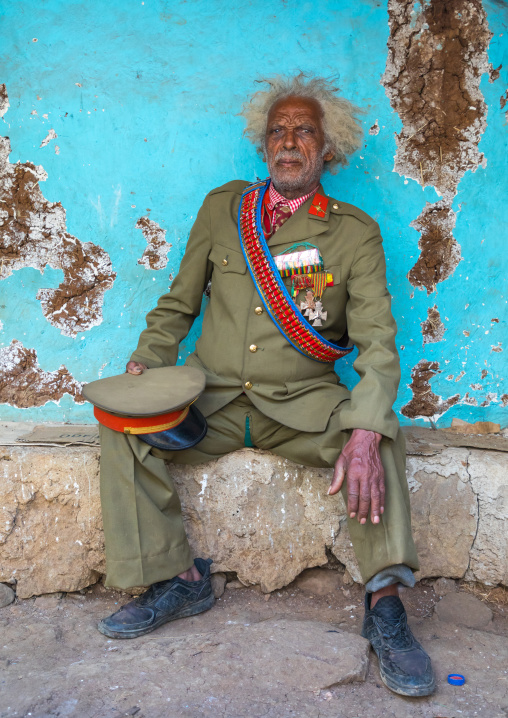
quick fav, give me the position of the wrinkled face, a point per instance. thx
(294, 146)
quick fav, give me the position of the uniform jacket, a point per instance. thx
(286, 385)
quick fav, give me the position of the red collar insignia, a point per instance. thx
(319, 205)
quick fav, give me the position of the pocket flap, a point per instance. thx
(227, 259)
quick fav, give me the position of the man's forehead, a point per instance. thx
(295, 108)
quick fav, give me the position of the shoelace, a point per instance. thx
(399, 634)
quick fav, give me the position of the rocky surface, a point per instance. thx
(444, 586)
(463, 609)
(7, 595)
(288, 657)
(257, 515)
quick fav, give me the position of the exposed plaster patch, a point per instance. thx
(50, 136)
(502, 101)
(424, 401)
(433, 328)
(374, 130)
(504, 399)
(4, 100)
(494, 72)
(440, 253)
(34, 234)
(24, 384)
(155, 255)
(437, 54)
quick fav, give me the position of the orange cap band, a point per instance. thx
(140, 424)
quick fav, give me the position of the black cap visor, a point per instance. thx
(187, 434)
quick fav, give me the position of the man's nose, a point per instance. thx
(289, 140)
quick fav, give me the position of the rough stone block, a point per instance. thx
(318, 581)
(444, 586)
(51, 528)
(218, 584)
(256, 514)
(7, 595)
(463, 609)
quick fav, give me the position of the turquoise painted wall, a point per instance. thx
(144, 99)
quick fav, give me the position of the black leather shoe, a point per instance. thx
(162, 602)
(404, 666)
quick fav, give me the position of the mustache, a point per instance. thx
(288, 155)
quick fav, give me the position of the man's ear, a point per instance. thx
(329, 156)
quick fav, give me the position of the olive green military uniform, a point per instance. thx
(296, 406)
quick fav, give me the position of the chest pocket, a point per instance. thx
(227, 260)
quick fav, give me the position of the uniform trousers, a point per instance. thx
(143, 526)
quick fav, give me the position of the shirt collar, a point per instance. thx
(275, 197)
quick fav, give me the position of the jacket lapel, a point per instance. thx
(301, 226)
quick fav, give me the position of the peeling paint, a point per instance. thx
(374, 130)
(155, 255)
(24, 384)
(50, 136)
(437, 56)
(4, 100)
(34, 234)
(502, 101)
(424, 401)
(433, 328)
(439, 252)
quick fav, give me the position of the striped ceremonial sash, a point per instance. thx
(272, 290)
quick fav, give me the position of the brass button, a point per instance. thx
(248, 385)
(253, 348)
(335, 206)
(225, 262)
(258, 310)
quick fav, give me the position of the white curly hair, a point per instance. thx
(342, 129)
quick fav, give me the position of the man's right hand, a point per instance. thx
(135, 367)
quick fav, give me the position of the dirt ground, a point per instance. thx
(53, 661)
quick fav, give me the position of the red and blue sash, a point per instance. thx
(282, 309)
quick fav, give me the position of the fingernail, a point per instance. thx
(376, 519)
(329, 490)
(351, 516)
(382, 509)
(363, 521)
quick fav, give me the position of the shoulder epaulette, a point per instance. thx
(337, 207)
(236, 186)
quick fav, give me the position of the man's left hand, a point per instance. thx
(361, 462)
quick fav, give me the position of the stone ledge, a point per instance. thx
(263, 517)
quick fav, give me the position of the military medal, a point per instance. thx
(305, 267)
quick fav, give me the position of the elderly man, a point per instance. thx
(296, 278)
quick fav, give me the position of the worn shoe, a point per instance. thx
(162, 602)
(404, 666)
